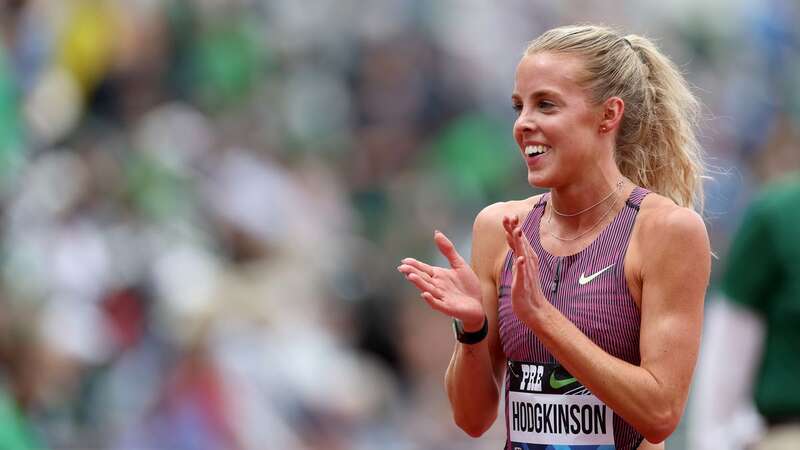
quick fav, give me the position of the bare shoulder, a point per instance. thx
(666, 230)
(490, 220)
(488, 236)
(660, 216)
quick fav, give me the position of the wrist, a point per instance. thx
(535, 316)
(473, 326)
(470, 337)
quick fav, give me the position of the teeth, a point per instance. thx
(532, 150)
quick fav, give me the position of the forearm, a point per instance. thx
(473, 391)
(633, 392)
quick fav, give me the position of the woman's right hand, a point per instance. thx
(454, 291)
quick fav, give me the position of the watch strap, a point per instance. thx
(466, 337)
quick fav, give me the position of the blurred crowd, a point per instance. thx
(204, 202)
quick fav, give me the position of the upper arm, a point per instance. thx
(675, 271)
(488, 252)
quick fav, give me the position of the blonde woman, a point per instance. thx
(583, 306)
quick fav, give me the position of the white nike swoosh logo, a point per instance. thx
(584, 279)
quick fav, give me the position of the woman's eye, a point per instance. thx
(545, 105)
(517, 107)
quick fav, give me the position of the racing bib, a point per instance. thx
(548, 407)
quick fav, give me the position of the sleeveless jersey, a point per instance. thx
(590, 289)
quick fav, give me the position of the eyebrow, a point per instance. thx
(539, 93)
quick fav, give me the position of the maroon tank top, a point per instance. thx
(590, 289)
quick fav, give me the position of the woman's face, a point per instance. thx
(557, 128)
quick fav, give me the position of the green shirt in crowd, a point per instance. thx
(763, 274)
(15, 431)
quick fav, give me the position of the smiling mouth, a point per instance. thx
(536, 150)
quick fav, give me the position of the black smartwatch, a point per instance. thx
(470, 337)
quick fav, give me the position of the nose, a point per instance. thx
(524, 125)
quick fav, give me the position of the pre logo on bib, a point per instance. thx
(548, 408)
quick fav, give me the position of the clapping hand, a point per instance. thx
(526, 290)
(454, 291)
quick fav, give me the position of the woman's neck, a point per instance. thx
(575, 211)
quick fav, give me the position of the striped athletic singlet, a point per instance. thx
(590, 289)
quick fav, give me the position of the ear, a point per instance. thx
(612, 110)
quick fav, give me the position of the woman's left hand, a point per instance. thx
(526, 291)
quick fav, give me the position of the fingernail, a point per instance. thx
(436, 231)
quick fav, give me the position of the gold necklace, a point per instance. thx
(617, 188)
(565, 239)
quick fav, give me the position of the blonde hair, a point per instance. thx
(656, 145)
